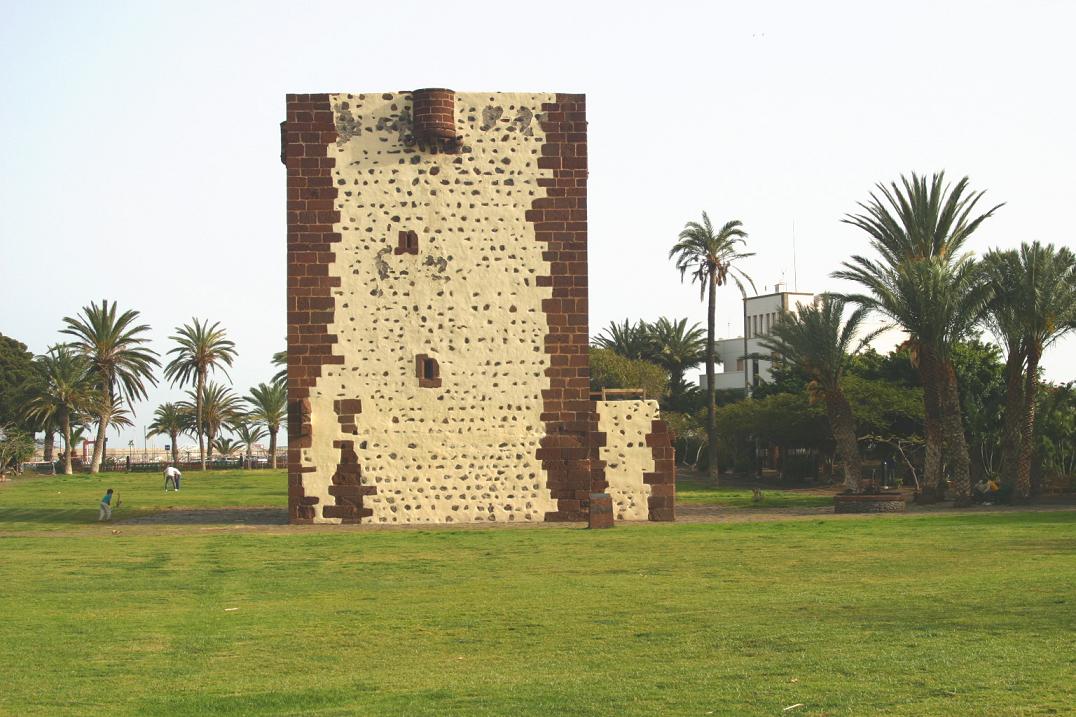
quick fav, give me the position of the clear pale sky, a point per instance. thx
(141, 140)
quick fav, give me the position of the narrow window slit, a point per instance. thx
(407, 242)
(428, 371)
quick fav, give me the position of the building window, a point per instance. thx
(428, 371)
(754, 372)
(739, 364)
(408, 243)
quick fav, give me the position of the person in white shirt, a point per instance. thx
(172, 475)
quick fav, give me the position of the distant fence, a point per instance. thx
(156, 466)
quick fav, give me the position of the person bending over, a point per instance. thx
(172, 475)
(106, 506)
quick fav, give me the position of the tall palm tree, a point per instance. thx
(821, 343)
(50, 427)
(920, 219)
(113, 412)
(48, 443)
(711, 257)
(69, 392)
(939, 304)
(269, 407)
(630, 340)
(280, 360)
(1004, 319)
(47, 425)
(168, 421)
(676, 347)
(201, 348)
(919, 229)
(115, 344)
(220, 406)
(249, 434)
(1034, 306)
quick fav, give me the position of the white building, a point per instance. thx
(760, 314)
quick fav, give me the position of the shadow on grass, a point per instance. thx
(213, 516)
(22, 518)
(699, 490)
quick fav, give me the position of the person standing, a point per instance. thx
(106, 506)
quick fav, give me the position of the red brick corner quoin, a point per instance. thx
(307, 134)
(662, 501)
(569, 450)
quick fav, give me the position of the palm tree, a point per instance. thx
(821, 344)
(919, 229)
(67, 394)
(676, 347)
(202, 348)
(711, 257)
(49, 427)
(1004, 319)
(269, 407)
(122, 363)
(220, 406)
(115, 414)
(939, 304)
(630, 340)
(48, 443)
(168, 421)
(248, 434)
(280, 360)
(920, 219)
(79, 433)
(226, 446)
(1034, 306)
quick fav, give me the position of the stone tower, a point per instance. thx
(437, 308)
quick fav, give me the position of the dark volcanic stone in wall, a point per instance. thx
(662, 482)
(569, 451)
(308, 132)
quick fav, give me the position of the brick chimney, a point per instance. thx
(434, 118)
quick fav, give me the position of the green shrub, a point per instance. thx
(610, 370)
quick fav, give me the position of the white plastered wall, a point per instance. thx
(463, 452)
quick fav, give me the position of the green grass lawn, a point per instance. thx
(697, 490)
(910, 615)
(61, 502)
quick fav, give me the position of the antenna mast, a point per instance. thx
(795, 274)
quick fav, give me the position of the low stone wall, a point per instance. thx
(640, 467)
(874, 503)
